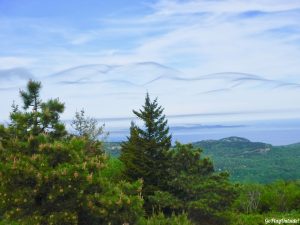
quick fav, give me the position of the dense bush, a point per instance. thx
(59, 184)
(50, 178)
(280, 196)
(194, 187)
(161, 219)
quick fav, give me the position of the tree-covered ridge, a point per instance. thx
(249, 161)
(246, 161)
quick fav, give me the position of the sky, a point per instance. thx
(229, 59)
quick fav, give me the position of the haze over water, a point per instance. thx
(190, 129)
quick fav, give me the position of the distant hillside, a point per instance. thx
(233, 147)
(246, 161)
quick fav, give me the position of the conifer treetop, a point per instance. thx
(155, 123)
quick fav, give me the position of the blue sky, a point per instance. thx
(196, 56)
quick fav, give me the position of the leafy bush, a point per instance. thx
(60, 183)
(49, 178)
(160, 219)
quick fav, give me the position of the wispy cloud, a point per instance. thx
(171, 7)
(15, 74)
(193, 37)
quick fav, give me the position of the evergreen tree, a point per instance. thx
(176, 179)
(195, 188)
(156, 133)
(144, 153)
(38, 117)
(60, 184)
(46, 179)
(133, 157)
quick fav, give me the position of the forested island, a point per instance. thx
(50, 175)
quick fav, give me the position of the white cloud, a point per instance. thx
(197, 37)
(173, 7)
(12, 62)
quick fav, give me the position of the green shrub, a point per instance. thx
(160, 219)
(60, 184)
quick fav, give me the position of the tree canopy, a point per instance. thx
(37, 116)
(144, 154)
(175, 179)
(54, 180)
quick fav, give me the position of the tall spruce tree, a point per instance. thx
(176, 179)
(144, 154)
(195, 188)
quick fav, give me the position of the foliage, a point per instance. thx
(51, 177)
(87, 127)
(144, 153)
(258, 202)
(177, 179)
(195, 188)
(54, 180)
(113, 170)
(246, 161)
(156, 132)
(37, 116)
(260, 219)
(253, 162)
(60, 183)
(281, 196)
(249, 199)
(247, 219)
(161, 219)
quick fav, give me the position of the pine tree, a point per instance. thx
(37, 116)
(46, 179)
(145, 152)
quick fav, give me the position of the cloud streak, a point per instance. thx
(183, 40)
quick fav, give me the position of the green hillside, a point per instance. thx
(246, 161)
